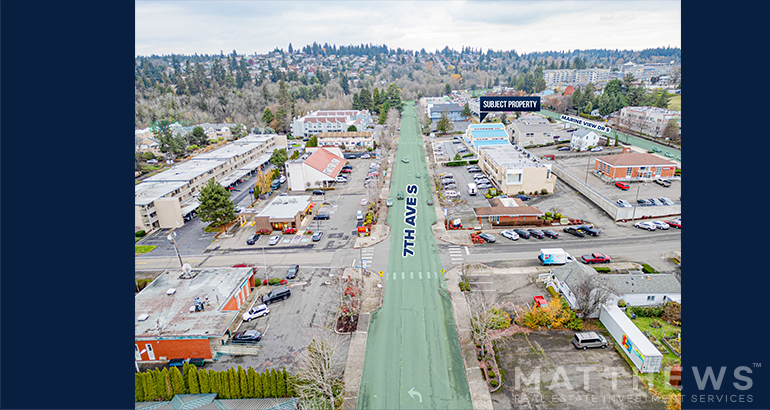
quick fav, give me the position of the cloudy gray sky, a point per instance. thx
(208, 27)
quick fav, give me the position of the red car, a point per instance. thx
(596, 258)
(540, 301)
(676, 223)
(622, 185)
(346, 171)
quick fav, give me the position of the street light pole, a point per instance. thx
(172, 237)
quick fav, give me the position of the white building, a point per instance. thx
(648, 120)
(515, 169)
(316, 170)
(531, 130)
(330, 121)
(352, 141)
(576, 77)
(582, 139)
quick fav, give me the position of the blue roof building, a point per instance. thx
(486, 134)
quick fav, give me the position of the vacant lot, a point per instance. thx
(544, 371)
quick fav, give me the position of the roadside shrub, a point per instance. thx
(672, 312)
(140, 234)
(575, 324)
(493, 383)
(500, 318)
(544, 191)
(648, 269)
(274, 281)
(621, 303)
(473, 161)
(456, 163)
(645, 311)
(602, 269)
(491, 374)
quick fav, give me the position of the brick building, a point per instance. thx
(633, 167)
(508, 211)
(180, 316)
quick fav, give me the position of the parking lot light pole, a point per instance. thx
(172, 237)
(637, 200)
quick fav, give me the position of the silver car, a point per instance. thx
(256, 312)
(274, 240)
(510, 235)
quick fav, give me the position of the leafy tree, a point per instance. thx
(313, 142)
(352, 128)
(199, 137)
(216, 205)
(203, 380)
(238, 131)
(466, 111)
(393, 98)
(444, 125)
(279, 157)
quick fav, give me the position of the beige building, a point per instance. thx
(515, 169)
(531, 130)
(352, 141)
(166, 199)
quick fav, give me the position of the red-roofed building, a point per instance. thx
(570, 89)
(633, 167)
(318, 170)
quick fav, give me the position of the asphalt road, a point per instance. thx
(413, 355)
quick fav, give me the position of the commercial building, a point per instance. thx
(478, 135)
(330, 121)
(165, 200)
(577, 77)
(515, 169)
(508, 212)
(184, 315)
(352, 141)
(633, 167)
(281, 213)
(317, 170)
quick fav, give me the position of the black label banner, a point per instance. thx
(498, 104)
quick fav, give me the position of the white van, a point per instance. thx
(472, 189)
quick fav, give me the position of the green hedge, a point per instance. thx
(602, 269)
(648, 269)
(233, 383)
(456, 163)
(140, 234)
(641, 311)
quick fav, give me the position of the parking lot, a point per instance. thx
(341, 203)
(545, 371)
(287, 329)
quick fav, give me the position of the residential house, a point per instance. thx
(583, 139)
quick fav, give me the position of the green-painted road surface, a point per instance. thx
(413, 358)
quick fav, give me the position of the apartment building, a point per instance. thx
(577, 77)
(648, 120)
(530, 130)
(164, 200)
(330, 121)
(352, 141)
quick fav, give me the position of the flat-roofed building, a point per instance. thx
(330, 121)
(158, 198)
(188, 315)
(531, 130)
(515, 169)
(633, 167)
(352, 141)
(478, 135)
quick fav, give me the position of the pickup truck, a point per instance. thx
(596, 258)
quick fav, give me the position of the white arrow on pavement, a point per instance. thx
(412, 393)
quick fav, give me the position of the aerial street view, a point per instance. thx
(404, 215)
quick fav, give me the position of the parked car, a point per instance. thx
(523, 233)
(341, 179)
(346, 170)
(596, 258)
(474, 170)
(537, 233)
(318, 192)
(655, 201)
(645, 225)
(666, 201)
(451, 194)
(623, 203)
(282, 179)
(317, 235)
(487, 237)
(589, 230)
(152, 161)
(252, 239)
(359, 215)
(588, 339)
(256, 312)
(622, 185)
(365, 156)
(676, 223)
(276, 294)
(292, 272)
(510, 235)
(660, 225)
(247, 336)
(523, 197)
(445, 174)
(364, 202)
(274, 240)
(484, 186)
(644, 202)
(322, 216)
(575, 231)
(597, 149)
(551, 233)
(563, 149)
(662, 182)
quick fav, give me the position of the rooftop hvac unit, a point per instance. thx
(171, 291)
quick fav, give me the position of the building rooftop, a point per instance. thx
(284, 207)
(146, 193)
(169, 315)
(344, 134)
(325, 162)
(507, 207)
(512, 156)
(635, 159)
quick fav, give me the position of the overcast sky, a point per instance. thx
(208, 27)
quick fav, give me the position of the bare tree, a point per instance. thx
(482, 319)
(590, 293)
(318, 382)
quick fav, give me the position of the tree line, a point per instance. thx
(233, 383)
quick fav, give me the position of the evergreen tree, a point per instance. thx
(203, 379)
(224, 383)
(344, 83)
(215, 386)
(376, 100)
(281, 382)
(192, 382)
(235, 384)
(167, 382)
(287, 382)
(365, 100)
(138, 387)
(267, 116)
(148, 384)
(244, 382)
(215, 204)
(258, 389)
(177, 382)
(252, 375)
